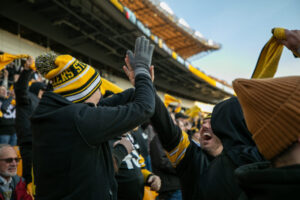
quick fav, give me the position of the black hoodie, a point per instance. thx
(71, 155)
(201, 175)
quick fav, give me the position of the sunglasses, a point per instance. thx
(10, 160)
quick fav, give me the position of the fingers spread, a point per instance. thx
(137, 44)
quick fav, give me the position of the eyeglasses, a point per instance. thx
(10, 160)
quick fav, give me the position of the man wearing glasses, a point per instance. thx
(11, 185)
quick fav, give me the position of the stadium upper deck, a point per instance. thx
(175, 32)
(99, 32)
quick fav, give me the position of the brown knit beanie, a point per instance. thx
(272, 111)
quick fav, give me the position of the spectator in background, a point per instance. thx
(142, 140)
(272, 113)
(71, 155)
(120, 149)
(194, 132)
(7, 116)
(133, 175)
(27, 100)
(11, 185)
(183, 121)
(5, 78)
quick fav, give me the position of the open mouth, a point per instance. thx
(207, 136)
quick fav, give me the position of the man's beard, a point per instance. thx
(8, 173)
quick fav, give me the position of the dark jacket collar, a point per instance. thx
(261, 181)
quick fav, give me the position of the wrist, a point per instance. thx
(147, 179)
(141, 70)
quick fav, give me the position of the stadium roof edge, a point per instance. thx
(194, 70)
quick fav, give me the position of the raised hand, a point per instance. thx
(140, 60)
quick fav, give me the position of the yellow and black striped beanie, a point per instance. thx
(271, 109)
(74, 80)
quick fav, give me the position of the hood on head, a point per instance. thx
(228, 124)
(50, 102)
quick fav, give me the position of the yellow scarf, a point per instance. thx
(268, 60)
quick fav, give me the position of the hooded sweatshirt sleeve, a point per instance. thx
(103, 123)
(118, 99)
(21, 88)
(174, 141)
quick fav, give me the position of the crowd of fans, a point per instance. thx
(78, 144)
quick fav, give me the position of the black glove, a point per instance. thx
(140, 61)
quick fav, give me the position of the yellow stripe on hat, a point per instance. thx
(85, 86)
(86, 93)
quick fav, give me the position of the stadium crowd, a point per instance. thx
(76, 143)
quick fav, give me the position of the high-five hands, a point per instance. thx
(139, 62)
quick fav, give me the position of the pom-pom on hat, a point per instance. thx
(74, 80)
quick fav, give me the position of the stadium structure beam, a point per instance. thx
(177, 78)
(25, 16)
(87, 23)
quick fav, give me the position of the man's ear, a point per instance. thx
(298, 139)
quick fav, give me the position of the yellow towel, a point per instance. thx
(193, 111)
(7, 58)
(107, 85)
(170, 99)
(268, 60)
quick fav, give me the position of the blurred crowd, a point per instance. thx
(76, 143)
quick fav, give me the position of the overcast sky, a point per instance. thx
(242, 28)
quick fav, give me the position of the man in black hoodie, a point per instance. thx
(71, 155)
(26, 102)
(202, 175)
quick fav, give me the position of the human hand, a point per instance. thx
(140, 60)
(292, 41)
(154, 182)
(130, 73)
(126, 143)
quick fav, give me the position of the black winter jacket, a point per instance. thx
(71, 155)
(201, 175)
(260, 181)
(26, 104)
